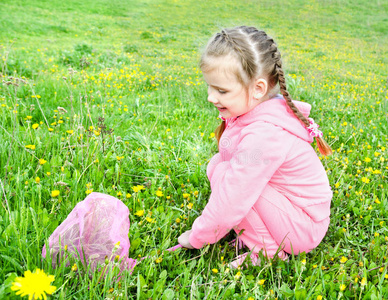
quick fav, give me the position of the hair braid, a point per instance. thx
(323, 147)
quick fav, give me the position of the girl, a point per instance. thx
(267, 182)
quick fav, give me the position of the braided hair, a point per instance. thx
(258, 55)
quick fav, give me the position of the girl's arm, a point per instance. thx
(238, 183)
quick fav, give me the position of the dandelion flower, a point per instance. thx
(37, 180)
(342, 287)
(36, 285)
(215, 271)
(363, 281)
(55, 193)
(42, 161)
(343, 260)
(139, 213)
(261, 282)
(35, 126)
(365, 179)
(137, 188)
(159, 193)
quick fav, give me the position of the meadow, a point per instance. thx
(107, 96)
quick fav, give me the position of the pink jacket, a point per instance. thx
(267, 145)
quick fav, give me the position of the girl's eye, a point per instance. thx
(222, 91)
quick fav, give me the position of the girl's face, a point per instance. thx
(227, 94)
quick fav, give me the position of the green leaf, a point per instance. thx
(168, 294)
(286, 291)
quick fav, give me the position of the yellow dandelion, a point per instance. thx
(32, 147)
(186, 195)
(88, 191)
(70, 131)
(363, 281)
(30, 117)
(74, 268)
(343, 260)
(139, 213)
(365, 179)
(319, 297)
(178, 220)
(367, 159)
(238, 275)
(158, 260)
(128, 195)
(35, 126)
(36, 285)
(119, 194)
(42, 161)
(137, 188)
(190, 205)
(55, 193)
(215, 271)
(119, 157)
(342, 287)
(150, 220)
(37, 180)
(159, 193)
(212, 135)
(261, 281)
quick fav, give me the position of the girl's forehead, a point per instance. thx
(221, 68)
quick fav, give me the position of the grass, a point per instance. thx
(67, 64)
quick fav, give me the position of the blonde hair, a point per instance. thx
(259, 56)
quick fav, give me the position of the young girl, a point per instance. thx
(267, 182)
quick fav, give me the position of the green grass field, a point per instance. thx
(66, 64)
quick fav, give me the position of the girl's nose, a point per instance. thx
(211, 98)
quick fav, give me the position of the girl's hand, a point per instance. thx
(184, 240)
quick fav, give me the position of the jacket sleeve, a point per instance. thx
(237, 184)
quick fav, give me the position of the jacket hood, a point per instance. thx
(277, 112)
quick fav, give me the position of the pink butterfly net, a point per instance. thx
(95, 230)
(92, 231)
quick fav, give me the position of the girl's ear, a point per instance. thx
(260, 89)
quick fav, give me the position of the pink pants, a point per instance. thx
(275, 223)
